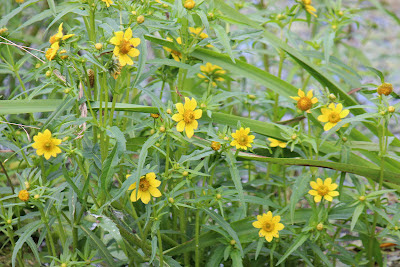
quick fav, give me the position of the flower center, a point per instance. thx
(176, 53)
(268, 226)
(188, 116)
(242, 140)
(304, 103)
(323, 190)
(125, 47)
(333, 117)
(144, 185)
(48, 145)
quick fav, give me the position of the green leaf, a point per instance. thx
(52, 6)
(66, 103)
(4, 20)
(299, 189)
(22, 106)
(99, 245)
(23, 238)
(107, 170)
(320, 254)
(357, 212)
(295, 244)
(224, 39)
(142, 60)
(236, 179)
(216, 257)
(373, 173)
(236, 258)
(221, 222)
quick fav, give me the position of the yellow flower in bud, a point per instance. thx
(46, 145)
(215, 145)
(23, 195)
(391, 109)
(140, 19)
(98, 46)
(323, 189)
(27, 185)
(154, 115)
(385, 89)
(270, 225)
(305, 102)
(3, 30)
(320, 227)
(361, 198)
(332, 115)
(108, 2)
(187, 116)
(275, 143)
(175, 54)
(147, 188)
(169, 111)
(19, 1)
(198, 32)
(125, 46)
(189, 4)
(242, 139)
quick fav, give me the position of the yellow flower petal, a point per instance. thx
(180, 126)
(180, 108)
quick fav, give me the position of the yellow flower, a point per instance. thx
(198, 32)
(108, 2)
(47, 145)
(189, 4)
(309, 8)
(187, 116)
(323, 189)
(275, 143)
(59, 35)
(305, 102)
(19, 1)
(332, 115)
(52, 51)
(175, 54)
(270, 225)
(212, 71)
(147, 188)
(242, 139)
(23, 195)
(125, 46)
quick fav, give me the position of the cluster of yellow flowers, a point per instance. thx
(55, 41)
(212, 72)
(270, 225)
(331, 115)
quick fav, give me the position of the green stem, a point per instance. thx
(197, 234)
(49, 236)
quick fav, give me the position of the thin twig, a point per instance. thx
(21, 47)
